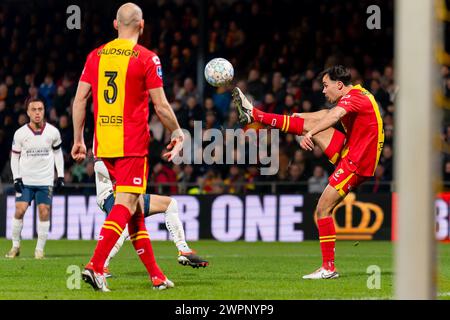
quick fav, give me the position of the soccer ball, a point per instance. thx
(219, 72)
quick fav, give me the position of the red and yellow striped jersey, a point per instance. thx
(120, 73)
(364, 130)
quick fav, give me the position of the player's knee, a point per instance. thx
(20, 211)
(323, 211)
(44, 212)
(19, 214)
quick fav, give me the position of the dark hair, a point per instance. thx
(337, 73)
(29, 101)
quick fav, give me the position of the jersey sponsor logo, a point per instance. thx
(105, 120)
(159, 71)
(347, 96)
(37, 152)
(118, 52)
(156, 60)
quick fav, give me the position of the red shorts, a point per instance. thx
(128, 173)
(344, 178)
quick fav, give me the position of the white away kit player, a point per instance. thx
(36, 150)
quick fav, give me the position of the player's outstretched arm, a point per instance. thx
(169, 120)
(330, 119)
(78, 118)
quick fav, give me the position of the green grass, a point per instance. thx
(237, 270)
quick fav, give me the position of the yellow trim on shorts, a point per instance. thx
(340, 185)
(130, 189)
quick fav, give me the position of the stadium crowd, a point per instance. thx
(277, 58)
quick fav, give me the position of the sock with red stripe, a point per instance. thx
(141, 242)
(109, 234)
(333, 151)
(327, 237)
(286, 123)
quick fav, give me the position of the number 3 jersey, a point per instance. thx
(120, 74)
(36, 149)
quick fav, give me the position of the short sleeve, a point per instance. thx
(56, 140)
(349, 103)
(153, 73)
(86, 74)
(16, 143)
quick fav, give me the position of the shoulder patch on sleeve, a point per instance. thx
(156, 60)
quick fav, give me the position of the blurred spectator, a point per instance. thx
(47, 91)
(319, 180)
(377, 183)
(222, 100)
(255, 86)
(66, 131)
(61, 101)
(387, 162)
(381, 96)
(235, 181)
(163, 174)
(446, 175)
(89, 174)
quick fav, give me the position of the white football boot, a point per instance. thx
(322, 273)
(39, 254)
(13, 253)
(96, 280)
(159, 284)
(243, 106)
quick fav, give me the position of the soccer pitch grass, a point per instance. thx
(237, 270)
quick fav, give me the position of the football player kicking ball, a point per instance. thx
(152, 204)
(355, 153)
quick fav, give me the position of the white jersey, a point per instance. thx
(103, 183)
(36, 152)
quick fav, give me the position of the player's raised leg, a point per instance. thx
(169, 207)
(331, 141)
(17, 226)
